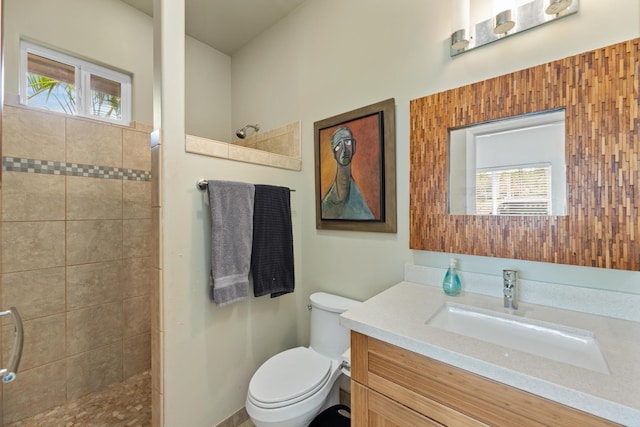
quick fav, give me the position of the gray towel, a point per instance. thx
(231, 205)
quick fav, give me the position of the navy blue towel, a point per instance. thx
(272, 249)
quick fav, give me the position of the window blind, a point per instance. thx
(521, 190)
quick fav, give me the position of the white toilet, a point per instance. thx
(294, 386)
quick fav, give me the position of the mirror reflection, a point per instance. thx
(514, 166)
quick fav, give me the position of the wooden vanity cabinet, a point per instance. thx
(391, 386)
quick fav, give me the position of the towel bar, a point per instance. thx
(201, 184)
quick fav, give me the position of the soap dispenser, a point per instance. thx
(451, 283)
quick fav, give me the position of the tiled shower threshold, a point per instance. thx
(123, 404)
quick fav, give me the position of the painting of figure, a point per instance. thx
(352, 157)
(355, 169)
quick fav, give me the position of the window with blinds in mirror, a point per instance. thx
(513, 166)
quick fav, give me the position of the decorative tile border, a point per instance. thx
(49, 167)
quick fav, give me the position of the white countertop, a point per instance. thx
(399, 316)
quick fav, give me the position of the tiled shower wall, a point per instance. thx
(284, 140)
(157, 295)
(76, 250)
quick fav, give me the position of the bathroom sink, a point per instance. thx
(574, 346)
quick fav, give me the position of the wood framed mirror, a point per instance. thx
(598, 90)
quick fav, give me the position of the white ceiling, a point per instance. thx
(227, 25)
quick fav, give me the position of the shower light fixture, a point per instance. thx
(503, 18)
(242, 133)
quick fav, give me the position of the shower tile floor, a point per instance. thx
(124, 404)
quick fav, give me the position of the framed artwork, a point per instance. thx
(355, 160)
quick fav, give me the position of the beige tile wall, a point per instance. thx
(279, 148)
(157, 324)
(76, 259)
(1, 332)
(284, 141)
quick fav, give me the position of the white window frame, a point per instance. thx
(83, 72)
(535, 138)
(499, 199)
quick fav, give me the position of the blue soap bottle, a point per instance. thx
(451, 283)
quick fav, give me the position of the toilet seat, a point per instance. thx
(288, 378)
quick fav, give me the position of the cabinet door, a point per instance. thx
(375, 410)
(446, 394)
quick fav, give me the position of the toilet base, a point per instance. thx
(333, 398)
(303, 420)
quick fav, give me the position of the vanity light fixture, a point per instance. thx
(504, 18)
(459, 23)
(557, 6)
(459, 39)
(504, 22)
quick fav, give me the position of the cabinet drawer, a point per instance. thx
(377, 410)
(453, 396)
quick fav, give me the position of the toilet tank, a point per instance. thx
(327, 336)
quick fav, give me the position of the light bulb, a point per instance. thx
(504, 20)
(459, 24)
(502, 5)
(557, 6)
(459, 15)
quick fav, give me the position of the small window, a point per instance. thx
(58, 82)
(523, 190)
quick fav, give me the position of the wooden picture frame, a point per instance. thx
(355, 167)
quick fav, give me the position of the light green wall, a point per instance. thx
(328, 57)
(399, 49)
(207, 92)
(210, 352)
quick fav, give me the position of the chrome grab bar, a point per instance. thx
(9, 374)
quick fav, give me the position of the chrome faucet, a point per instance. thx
(510, 289)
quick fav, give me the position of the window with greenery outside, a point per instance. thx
(52, 85)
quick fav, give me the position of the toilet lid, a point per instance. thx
(289, 377)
